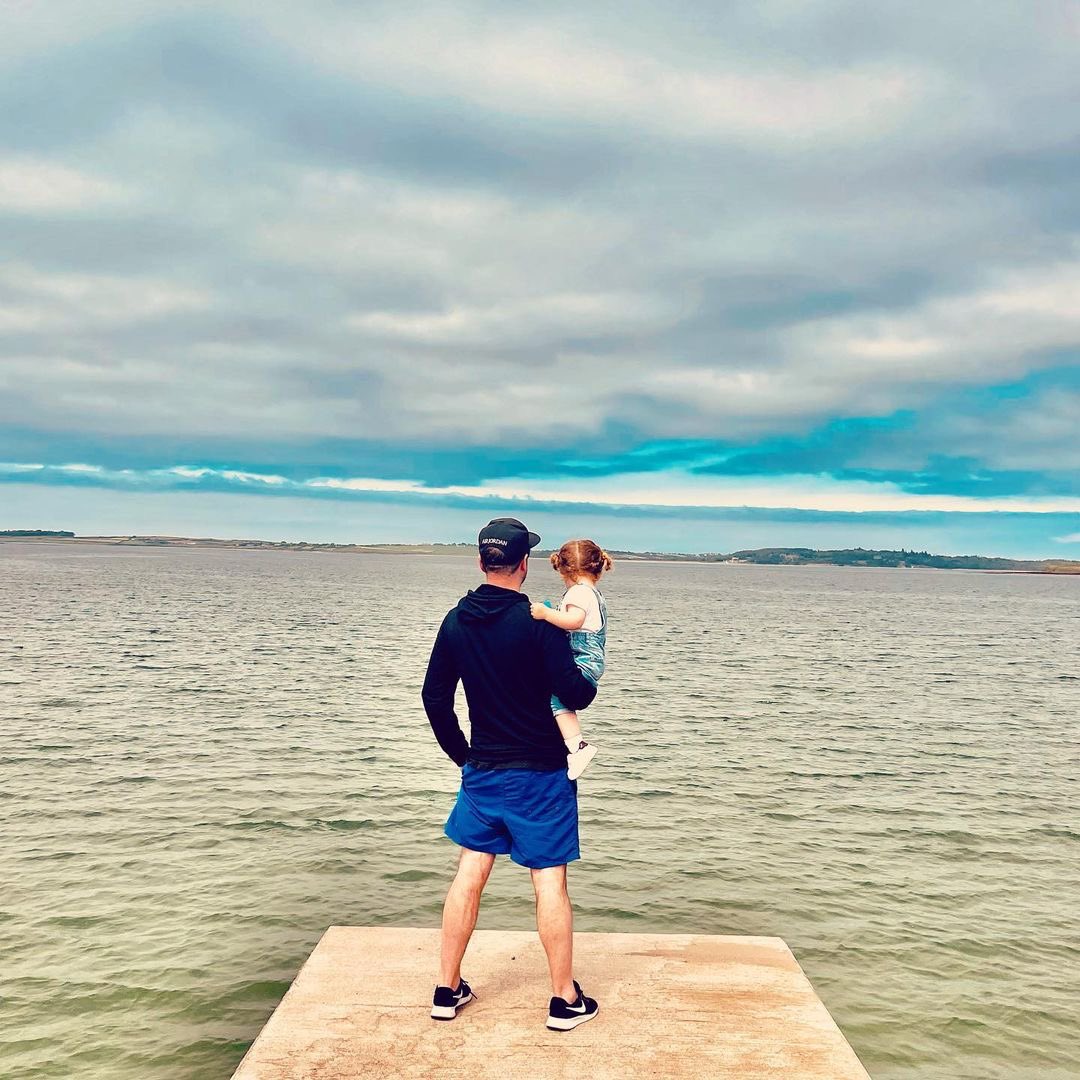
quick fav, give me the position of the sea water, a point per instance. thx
(208, 756)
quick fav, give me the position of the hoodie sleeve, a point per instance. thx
(440, 684)
(563, 675)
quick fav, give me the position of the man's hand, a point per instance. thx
(539, 612)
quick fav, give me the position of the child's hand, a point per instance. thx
(539, 612)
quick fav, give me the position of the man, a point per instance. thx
(515, 797)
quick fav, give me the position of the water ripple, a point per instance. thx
(211, 756)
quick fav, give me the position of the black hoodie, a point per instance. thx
(510, 664)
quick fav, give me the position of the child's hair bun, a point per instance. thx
(577, 557)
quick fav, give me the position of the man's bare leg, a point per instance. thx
(555, 924)
(459, 912)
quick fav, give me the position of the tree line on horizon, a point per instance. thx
(38, 532)
(768, 556)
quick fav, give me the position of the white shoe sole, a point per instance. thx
(579, 760)
(448, 1012)
(557, 1023)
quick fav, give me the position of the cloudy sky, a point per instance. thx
(686, 276)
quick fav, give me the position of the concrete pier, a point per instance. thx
(674, 1005)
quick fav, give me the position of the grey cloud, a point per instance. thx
(389, 254)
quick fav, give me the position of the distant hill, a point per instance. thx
(773, 556)
(900, 559)
(31, 533)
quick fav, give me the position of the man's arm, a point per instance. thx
(440, 684)
(564, 676)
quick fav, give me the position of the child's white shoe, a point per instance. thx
(578, 761)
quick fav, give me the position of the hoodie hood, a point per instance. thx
(488, 602)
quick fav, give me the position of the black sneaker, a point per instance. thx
(445, 1004)
(565, 1017)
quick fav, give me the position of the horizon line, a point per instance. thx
(71, 536)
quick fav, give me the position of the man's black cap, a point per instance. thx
(510, 536)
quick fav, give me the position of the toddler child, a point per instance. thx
(583, 614)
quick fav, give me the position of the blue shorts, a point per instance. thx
(530, 816)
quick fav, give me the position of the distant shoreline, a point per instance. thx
(853, 557)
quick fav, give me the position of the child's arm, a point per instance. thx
(573, 618)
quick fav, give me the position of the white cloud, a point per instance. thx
(48, 301)
(35, 186)
(362, 483)
(545, 70)
(29, 26)
(540, 320)
(673, 489)
(244, 477)
(19, 467)
(473, 244)
(995, 333)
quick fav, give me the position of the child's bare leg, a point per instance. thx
(580, 752)
(569, 728)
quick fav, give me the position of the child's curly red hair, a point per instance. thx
(581, 558)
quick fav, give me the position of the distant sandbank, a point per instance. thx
(854, 557)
